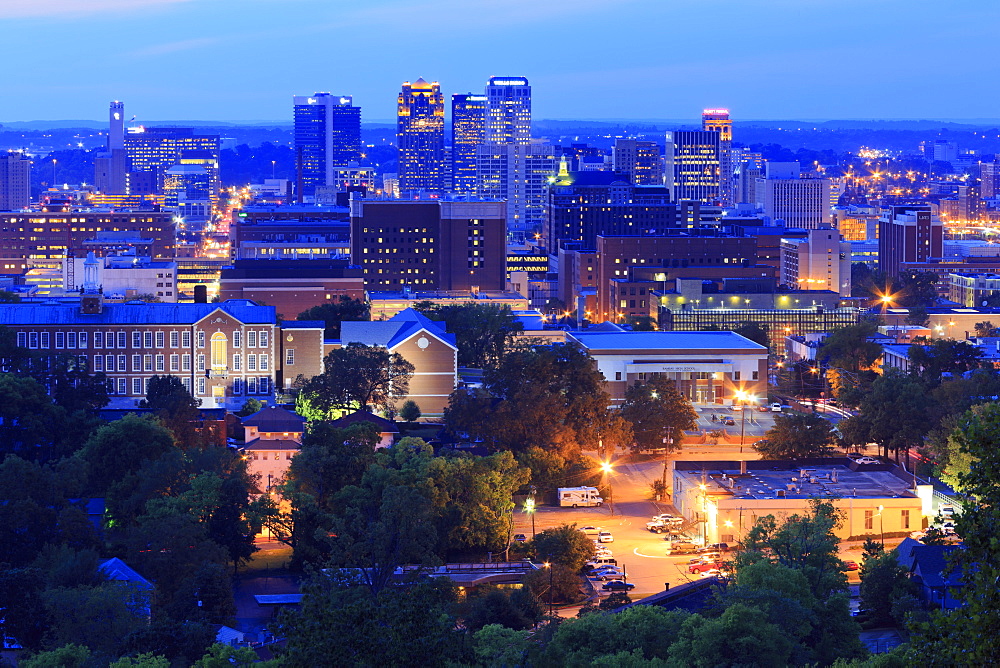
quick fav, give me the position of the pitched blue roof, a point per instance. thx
(392, 332)
(133, 313)
(116, 569)
(665, 340)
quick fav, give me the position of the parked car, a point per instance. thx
(775, 407)
(867, 460)
(605, 537)
(668, 518)
(660, 527)
(946, 510)
(715, 547)
(704, 566)
(601, 570)
(682, 547)
(714, 573)
(600, 561)
(711, 556)
(728, 421)
(618, 586)
(851, 565)
(520, 538)
(590, 531)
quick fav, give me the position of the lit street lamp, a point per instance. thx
(529, 507)
(549, 566)
(743, 398)
(606, 467)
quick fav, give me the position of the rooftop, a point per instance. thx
(838, 477)
(275, 419)
(133, 313)
(711, 340)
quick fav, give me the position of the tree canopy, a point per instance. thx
(658, 413)
(335, 312)
(483, 332)
(797, 436)
(357, 377)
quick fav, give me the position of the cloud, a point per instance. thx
(173, 47)
(54, 9)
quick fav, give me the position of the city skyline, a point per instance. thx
(245, 62)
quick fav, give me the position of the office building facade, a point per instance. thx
(639, 160)
(717, 120)
(327, 136)
(468, 132)
(519, 174)
(152, 151)
(420, 137)
(692, 165)
(508, 110)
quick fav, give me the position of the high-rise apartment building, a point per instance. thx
(717, 120)
(420, 137)
(327, 136)
(989, 176)
(15, 181)
(468, 132)
(639, 160)
(908, 233)
(435, 244)
(508, 110)
(693, 165)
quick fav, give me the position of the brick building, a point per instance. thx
(430, 244)
(273, 436)
(291, 287)
(33, 238)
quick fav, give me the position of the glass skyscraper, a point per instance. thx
(468, 131)
(420, 137)
(327, 136)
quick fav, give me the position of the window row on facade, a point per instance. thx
(62, 340)
(140, 386)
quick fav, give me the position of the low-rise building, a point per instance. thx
(273, 437)
(706, 367)
(725, 498)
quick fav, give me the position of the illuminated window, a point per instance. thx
(219, 351)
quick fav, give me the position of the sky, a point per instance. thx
(218, 60)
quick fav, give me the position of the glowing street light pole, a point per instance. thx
(529, 507)
(606, 467)
(743, 398)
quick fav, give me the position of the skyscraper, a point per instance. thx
(468, 132)
(717, 120)
(420, 137)
(508, 110)
(692, 165)
(327, 136)
(15, 188)
(152, 151)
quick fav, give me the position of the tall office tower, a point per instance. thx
(508, 110)
(111, 165)
(785, 195)
(468, 132)
(152, 151)
(818, 261)
(693, 165)
(420, 137)
(908, 233)
(639, 160)
(519, 174)
(327, 136)
(15, 181)
(717, 120)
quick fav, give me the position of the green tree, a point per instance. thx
(658, 413)
(224, 656)
(647, 630)
(985, 329)
(30, 424)
(410, 411)
(895, 414)
(97, 617)
(483, 332)
(736, 638)
(848, 347)
(565, 545)
(516, 609)
(170, 401)
(943, 356)
(67, 656)
(797, 436)
(356, 377)
(556, 583)
(755, 332)
(551, 397)
(498, 645)
(146, 660)
(964, 636)
(883, 582)
(122, 447)
(473, 500)
(403, 626)
(250, 406)
(917, 288)
(334, 313)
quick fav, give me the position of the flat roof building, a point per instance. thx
(725, 498)
(706, 367)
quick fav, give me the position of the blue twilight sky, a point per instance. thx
(642, 59)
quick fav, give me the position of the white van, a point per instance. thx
(775, 407)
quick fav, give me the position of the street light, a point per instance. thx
(606, 467)
(529, 507)
(549, 566)
(881, 526)
(743, 398)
